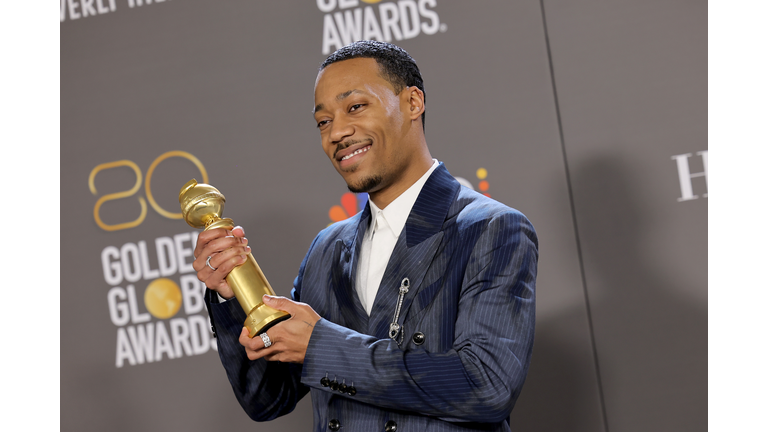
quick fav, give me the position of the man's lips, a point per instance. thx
(355, 153)
(351, 150)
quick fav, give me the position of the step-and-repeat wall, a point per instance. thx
(587, 116)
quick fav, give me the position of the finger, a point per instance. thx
(206, 236)
(253, 354)
(225, 267)
(266, 354)
(222, 244)
(281, 303)
(206, 268)
(238, 231)
(271, 354)
(216, 246)
(255, 347)
(275, 356)
(217, 280)
(220, 258)
(256, 343)
(244, 339)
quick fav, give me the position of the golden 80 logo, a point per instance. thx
(130, 192)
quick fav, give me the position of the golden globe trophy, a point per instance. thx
(201, 207)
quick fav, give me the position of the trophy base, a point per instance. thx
(262, 317)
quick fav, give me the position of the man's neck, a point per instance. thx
(384, 197)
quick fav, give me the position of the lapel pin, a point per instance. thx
(394, 327)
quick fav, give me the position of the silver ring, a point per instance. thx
(267, 341)
(208, 263)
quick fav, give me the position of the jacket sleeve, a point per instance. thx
(480, 377)
(266, 390)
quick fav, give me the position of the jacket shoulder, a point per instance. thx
(472, 207)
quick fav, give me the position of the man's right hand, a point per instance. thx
(227, 250)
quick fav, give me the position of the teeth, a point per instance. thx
(362, 150)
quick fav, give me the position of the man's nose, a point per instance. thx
(340, 130)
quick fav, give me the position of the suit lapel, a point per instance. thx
(345, 257)
(414, 251)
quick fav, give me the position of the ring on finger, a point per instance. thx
(208, 263)
(265, 338)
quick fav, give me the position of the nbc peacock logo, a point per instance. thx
(482, 184)
(351, 204)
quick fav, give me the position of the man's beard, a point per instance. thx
(365, 185)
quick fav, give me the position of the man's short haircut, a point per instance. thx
(395, 64)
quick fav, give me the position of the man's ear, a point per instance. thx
(415, 100)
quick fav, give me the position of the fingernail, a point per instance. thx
(267, 298)
(243, 240)
(248, 249)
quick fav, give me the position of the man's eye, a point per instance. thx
(322, 123)
(355, 107)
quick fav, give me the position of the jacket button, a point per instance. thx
(325, 382)
(342, 388)
(418, 338)
(351, 390)
(390, 426)
(334, 385)
(334, 425)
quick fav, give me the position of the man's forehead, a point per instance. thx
(353, 72)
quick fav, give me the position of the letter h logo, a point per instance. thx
(684, 173)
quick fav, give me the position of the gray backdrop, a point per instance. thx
(588, 116)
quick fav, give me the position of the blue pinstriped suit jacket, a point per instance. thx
(471, 262)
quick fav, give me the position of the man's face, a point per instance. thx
(363, 124)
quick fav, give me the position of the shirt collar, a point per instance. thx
(396, 213)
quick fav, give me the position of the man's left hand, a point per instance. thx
(289, 338)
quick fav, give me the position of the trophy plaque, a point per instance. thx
(202, 206)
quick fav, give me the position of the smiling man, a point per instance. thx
(415, 314)
(371, 127)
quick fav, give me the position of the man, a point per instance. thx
(418, 312)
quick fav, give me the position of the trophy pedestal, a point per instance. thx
(261, 318)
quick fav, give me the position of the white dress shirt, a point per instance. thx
(380, 238)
